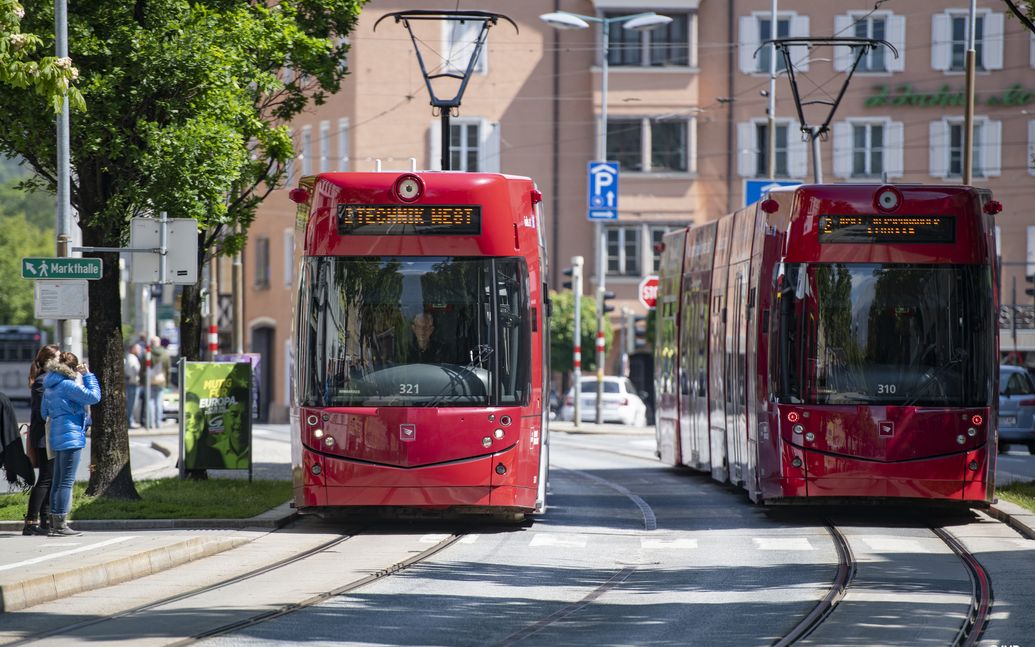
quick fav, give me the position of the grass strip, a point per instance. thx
(170, 498)
(1023, 494)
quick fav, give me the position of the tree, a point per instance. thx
(181, 94)
(562, 332)
(18, 239)
(49, 77)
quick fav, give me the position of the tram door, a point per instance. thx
(717, 360)
(736, 346)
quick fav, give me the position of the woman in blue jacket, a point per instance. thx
(65, 402)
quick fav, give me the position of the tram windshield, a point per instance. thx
(414, 331)
(883, 334)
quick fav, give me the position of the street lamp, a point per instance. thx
(633, 22)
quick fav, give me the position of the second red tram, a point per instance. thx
(834, 341)
(420, 331)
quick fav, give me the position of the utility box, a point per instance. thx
(181, 246)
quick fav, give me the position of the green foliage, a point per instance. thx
(171, 499)
(36, 206)
(18, 239)
(562, 332)
(1023, 494)
(47, 78)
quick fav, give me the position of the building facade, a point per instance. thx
(686, 121)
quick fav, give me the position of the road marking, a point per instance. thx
(546, 539)
(65, 553)
(893, 545)
(782, 543)
(646, 542)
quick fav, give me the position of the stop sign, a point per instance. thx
(649, 291)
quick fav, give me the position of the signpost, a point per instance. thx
(649, 291)
(755, 189)
(602, 200)
(56, 269)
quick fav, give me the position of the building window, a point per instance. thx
(307, 150)
(762, 158)
(656, 235)
(668, 45)
(463, 146)
(867, 150)
(460, 40)
(960, 38)
(289, 258)
(343, 144)
(950, 35)
(325, 146)
(289, 166)
(757, 28)
(623, 251)
(946, 146)
(262, 263)
(765, 30)
(650, 145)
(873, 27)
(956, 150)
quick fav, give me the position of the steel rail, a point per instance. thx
(981, 592)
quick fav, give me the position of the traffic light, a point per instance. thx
(640, 331)
(574, 273)
(1031, 280)
(569, 284)
(606, 295)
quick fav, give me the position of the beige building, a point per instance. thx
(686, 121)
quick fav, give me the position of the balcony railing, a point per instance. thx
(1023, 317)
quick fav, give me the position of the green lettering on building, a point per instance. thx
(945, 97)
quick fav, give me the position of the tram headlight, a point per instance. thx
(498, 434)
(972, 432)
(798, 429)
(317, 433)
(796, 462)
(329, 441)
(809, 437)
(409, 187)
(888, 199)
(961, 439)
(486, 441)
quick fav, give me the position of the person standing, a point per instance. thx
(131, 365)
(36, 517)
(161, 366)
(65, 401)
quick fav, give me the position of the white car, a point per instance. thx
(621, 403)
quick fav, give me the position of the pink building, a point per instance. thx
(686, 122)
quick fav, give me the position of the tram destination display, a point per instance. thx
(409, 220)
(887, 229)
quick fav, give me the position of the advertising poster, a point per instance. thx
(217, 415)
(256, 361)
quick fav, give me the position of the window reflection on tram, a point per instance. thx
(414, 331)
(882, 334)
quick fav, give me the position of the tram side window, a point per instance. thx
(512, 296)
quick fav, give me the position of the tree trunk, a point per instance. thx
(190, 323)
(110, 474)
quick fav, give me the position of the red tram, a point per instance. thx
(420, 337)
(834, 341)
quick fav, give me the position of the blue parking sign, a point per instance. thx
(602, 202)
(755, 189)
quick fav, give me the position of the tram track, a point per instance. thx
(252, 577)
(967, 635)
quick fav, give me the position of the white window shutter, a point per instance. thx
(939, 155)
(941, 41)
(489, 147)
(797, 153)
(842, 55)
(896, 35)
(749, 42)
(894, 146)
(800, 54)
(435, 146)
(691, 145)
(1030, 160)
(842, 149)
(991, 147)
(1031, 51)
(992, 40)
(748, 148)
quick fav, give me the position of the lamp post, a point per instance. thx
(633, 22)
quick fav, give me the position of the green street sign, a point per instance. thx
(57, 269)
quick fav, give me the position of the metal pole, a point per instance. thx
(444, 120)
(600, 233)
(213, 309)
(771, 109)
(237, 276)
(968, 115)
(576, 285)
(64, 202)
(817, 163)
(1013, 315)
